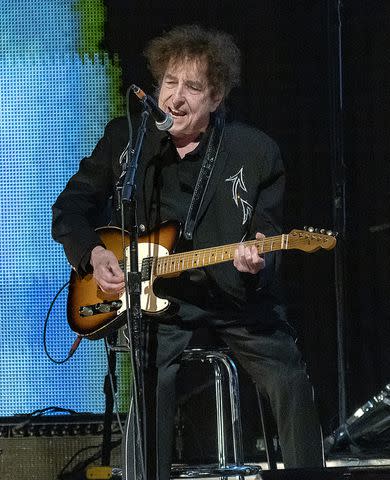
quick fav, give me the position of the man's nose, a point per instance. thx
(178, 95)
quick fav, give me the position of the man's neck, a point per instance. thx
(186, 145)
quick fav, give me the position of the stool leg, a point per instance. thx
(234, 392)
(220, 415)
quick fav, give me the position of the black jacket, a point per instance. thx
(244, 196)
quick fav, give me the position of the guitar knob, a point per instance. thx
(85, 311)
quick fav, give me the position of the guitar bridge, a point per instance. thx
(97, 308)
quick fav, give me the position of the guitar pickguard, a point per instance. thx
(150, 303)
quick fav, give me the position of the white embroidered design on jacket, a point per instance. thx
(238, 183)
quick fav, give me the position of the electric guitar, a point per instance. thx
(94, 314)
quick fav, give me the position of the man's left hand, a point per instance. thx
(247, 259)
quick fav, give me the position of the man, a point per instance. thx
(195, 70)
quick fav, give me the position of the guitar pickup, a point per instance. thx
(105, 307)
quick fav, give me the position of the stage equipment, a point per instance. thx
(40, 448)
(368, 428)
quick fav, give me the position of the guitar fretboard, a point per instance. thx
(179, 262)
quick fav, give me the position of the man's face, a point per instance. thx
(186, 94)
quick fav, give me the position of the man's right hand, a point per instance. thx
(106, 270)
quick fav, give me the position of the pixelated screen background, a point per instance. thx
(57, 91)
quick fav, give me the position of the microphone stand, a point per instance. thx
(136, 420)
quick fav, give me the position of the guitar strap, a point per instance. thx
(204, 175)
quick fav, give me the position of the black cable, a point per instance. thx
(30, 417)
(75, 344)
(42, 411)
(80, 465)
(83, 464)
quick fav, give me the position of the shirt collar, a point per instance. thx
(200, 150)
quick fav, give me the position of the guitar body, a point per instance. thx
(93, 313)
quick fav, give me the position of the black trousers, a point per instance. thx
(272, 360)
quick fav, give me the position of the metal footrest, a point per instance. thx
(182, 471)
(209, 471)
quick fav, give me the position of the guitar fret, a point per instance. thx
(284, 242)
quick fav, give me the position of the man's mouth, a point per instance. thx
(176, 113)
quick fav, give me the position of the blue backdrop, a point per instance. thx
(54, 104)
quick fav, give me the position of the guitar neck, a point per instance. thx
(179, 262)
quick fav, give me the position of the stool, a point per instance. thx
(220, 360)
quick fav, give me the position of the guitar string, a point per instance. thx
(217, 254)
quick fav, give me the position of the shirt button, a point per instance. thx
(142, 227)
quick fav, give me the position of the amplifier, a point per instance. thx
(42, 448)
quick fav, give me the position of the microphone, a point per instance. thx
(163, 120)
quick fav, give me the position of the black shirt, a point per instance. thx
(175, 182)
